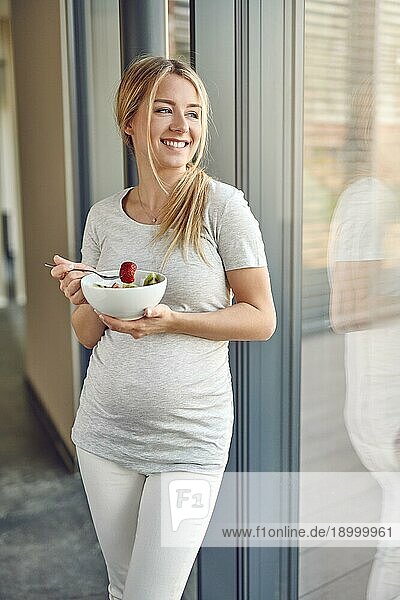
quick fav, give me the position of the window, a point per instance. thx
(351, 286)
(179, 29)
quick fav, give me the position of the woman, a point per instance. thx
(157, 397)
(363, 271)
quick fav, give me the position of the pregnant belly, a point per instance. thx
(153, 379)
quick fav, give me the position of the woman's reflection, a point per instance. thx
(364, 275)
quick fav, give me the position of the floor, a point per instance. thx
(48, 547)
(328, 573)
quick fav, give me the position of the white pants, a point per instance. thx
(125, 508)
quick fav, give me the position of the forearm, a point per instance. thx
(239, 322)
(371, 312)
(356, 302)
(87, 326)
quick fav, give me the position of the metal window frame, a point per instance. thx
(259, 45)
(75, 22)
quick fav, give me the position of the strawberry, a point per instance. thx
(127, 272)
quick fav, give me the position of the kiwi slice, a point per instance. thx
(151, 279)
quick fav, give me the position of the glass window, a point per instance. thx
(103, 75)
(179, 29)
(351, 275)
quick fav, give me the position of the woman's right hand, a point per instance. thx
(70, 283)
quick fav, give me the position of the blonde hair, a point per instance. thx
(184, 209)
(358, 149)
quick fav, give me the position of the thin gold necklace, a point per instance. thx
(152, 217)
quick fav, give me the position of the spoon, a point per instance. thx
(87, 271)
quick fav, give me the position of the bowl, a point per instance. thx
(126, 304)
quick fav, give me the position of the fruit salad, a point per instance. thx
(127, 277)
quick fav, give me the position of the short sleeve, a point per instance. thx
(361, 221)
(239, 239)
(356, 241)
(90, 250)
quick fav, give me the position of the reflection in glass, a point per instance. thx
(103, 67)
(179, 29)
(351, 274)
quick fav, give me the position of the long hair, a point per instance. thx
(184, 209)
(357, 151)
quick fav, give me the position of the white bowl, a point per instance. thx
(126, 304)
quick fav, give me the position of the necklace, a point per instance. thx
(152, 217)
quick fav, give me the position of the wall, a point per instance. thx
(38, 80)
(10, 201)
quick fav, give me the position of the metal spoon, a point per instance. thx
(87, 271)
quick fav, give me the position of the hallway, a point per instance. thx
(48, 547)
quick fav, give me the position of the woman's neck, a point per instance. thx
(151, 194)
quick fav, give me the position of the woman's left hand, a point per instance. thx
(155, 320)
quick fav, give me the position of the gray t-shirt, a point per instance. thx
(164, 402)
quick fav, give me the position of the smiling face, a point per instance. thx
(175, 124)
